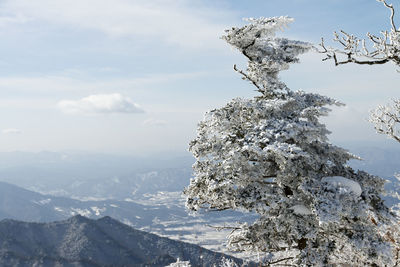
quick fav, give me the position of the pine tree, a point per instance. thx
(271, 155)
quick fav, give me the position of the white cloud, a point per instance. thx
(11, 131)
(101, 103)
(187, 23)
(155, 122)
(67, 82)
(15, 19)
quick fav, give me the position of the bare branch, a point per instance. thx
(281, 260)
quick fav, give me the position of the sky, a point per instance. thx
(135, 77)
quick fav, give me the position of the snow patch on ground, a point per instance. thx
(42, 202)
(58, 209)
(128, 222)
(97, 210)
(82, 212)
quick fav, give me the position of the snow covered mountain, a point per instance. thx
(80, 241)
(162, 214)
(21, 204)
(94, 176)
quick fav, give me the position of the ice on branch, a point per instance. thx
(379, 49)
(271, 155)
(386, 120)
(267, 54)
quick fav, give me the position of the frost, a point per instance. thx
(386, 119)
(271, 155)
(382, 48)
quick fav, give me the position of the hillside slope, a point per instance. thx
(80, 241)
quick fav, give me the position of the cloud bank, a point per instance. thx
(155, 122)
(11, 131)
(186, 23)
(101, 103)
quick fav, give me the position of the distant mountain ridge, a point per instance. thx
(80, 241)
(21, 204)
(82, 175)
(163, 217)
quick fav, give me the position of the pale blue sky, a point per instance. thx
(75, 74)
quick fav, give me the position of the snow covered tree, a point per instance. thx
(381, 50)
(271, 155)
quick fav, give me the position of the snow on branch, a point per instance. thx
(386, 120)
(270, 155)
(267, 55)
(380, 50)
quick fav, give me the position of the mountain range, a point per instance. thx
(94, 176)
(145, 194)
(80, 241)
(163, 214)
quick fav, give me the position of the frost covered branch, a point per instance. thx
(246, 77)
(391, 15)
(381, 49)
(386, 120)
